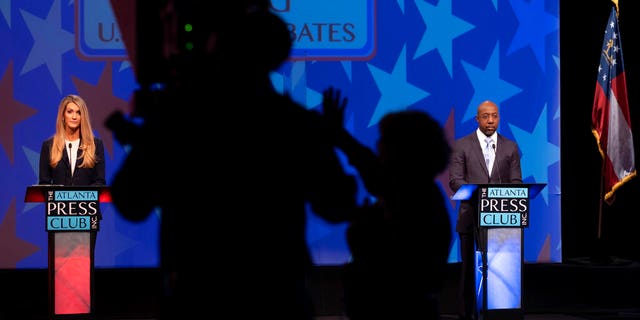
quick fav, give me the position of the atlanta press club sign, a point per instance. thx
(73, 210)
(504, 207)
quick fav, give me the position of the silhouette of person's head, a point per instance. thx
(412, 141)
(227, 35)
(259, 43)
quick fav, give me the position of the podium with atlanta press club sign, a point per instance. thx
(502, 213)
(72, 220)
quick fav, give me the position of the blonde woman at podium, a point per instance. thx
(73, 156)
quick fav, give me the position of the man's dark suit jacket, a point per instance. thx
(61, 174)
(467, 166)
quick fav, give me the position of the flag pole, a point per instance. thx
(602, 172)
(599, 257)
(601, 200)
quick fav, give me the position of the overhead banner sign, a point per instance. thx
(321, 29)
(330, 29)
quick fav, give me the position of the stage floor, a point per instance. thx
(577, 290)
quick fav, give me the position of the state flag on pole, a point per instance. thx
(610, 120)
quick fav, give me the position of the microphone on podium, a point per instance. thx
(71, 158)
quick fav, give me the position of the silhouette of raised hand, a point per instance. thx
(333, 106)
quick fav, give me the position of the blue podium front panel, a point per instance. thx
(504, 261)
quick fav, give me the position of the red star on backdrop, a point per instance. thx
(11, 111)
(13, 248)
(101, 103)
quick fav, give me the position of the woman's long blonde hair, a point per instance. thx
(87, 144)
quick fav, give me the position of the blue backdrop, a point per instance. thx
(440, 56)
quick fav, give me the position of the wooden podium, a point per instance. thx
(72, 220)
(503, 213)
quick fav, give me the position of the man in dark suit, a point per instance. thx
(480, 157)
